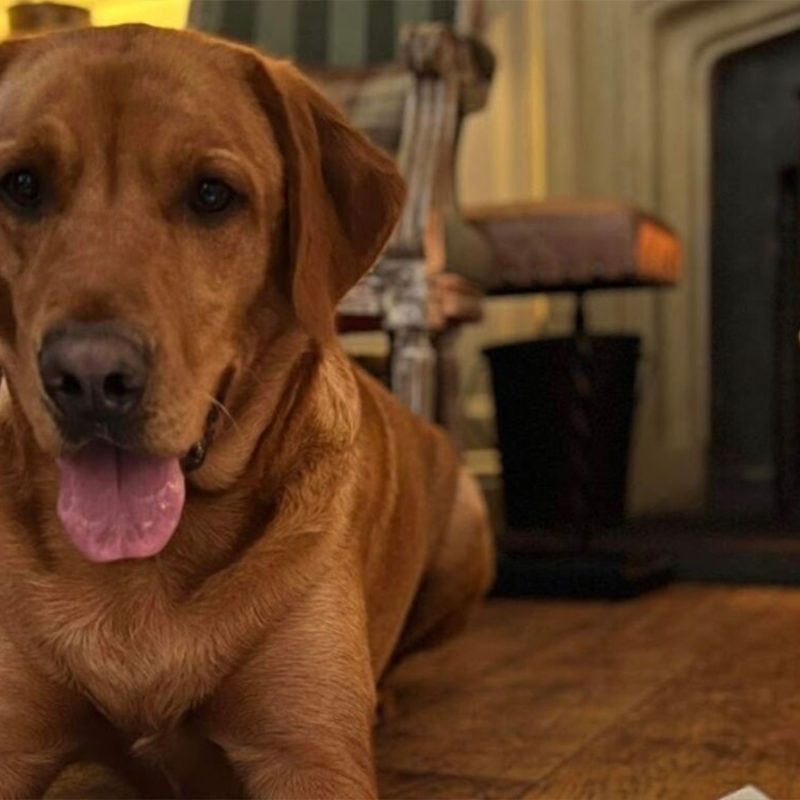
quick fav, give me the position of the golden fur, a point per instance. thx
(328, 532)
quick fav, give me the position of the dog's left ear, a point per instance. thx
(344, 194)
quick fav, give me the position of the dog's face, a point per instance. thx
(169, 207)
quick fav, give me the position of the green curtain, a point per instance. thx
(319, 32)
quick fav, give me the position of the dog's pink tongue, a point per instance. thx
(114, 504)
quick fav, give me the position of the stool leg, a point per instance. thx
(580, 438)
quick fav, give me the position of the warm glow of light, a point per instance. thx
(163, 13)
(538, 89)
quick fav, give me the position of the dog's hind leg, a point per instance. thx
(459, 574)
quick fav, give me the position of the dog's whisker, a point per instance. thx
(224, 410)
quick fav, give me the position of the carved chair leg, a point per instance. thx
(413, 358)
(413, 373)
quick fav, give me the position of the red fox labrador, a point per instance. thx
(216, 534)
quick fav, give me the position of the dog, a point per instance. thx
(217, 534)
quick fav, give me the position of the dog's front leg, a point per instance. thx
(38, 725)
(296, 719)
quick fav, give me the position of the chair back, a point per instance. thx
(328, 33)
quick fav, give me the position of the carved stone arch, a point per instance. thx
(636, 124)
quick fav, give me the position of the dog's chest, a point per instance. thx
(132, 656)
(141, 679)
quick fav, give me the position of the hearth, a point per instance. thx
(754, 459)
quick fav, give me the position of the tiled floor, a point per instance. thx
(689, 693)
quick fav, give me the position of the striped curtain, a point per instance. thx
(346, 33)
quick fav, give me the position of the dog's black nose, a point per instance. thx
(93, 372)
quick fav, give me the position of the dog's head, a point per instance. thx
(171, 208)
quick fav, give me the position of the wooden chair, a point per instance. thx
(406, 73)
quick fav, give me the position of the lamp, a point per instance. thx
(31, 17)
(26, 19)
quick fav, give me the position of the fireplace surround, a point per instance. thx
(628, 109)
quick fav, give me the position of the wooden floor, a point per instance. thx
(689, 693)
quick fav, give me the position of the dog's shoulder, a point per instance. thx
(418, 458)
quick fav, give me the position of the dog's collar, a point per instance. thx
(196, 454)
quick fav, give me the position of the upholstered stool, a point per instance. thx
(564, 406)
(572, 245)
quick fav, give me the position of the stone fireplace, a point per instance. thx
(626, 100)
(755, 283)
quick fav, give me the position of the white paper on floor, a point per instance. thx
(746, 793)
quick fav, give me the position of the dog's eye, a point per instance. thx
(211, 196)
(22, 189)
